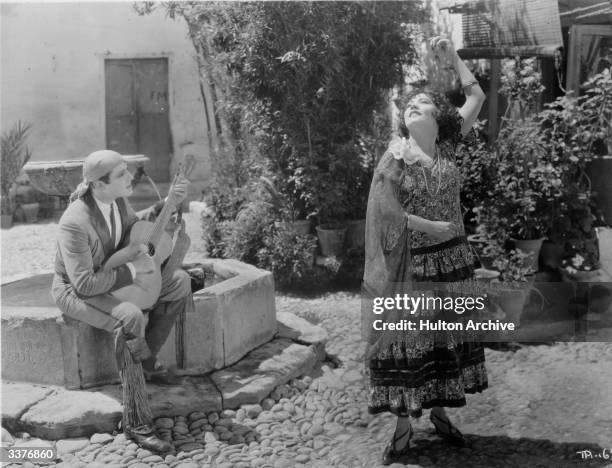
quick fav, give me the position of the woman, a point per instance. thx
(415, 232)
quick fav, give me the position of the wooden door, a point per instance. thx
(137, 111)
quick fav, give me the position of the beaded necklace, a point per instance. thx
(436, 162)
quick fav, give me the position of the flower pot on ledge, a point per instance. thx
(331, 239)
(479, 242)
(302, 226)
(30, 212)
(7, 221)
(530, 246)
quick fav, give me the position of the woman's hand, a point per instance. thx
(440, 60)
(442, 230)
(443, 51)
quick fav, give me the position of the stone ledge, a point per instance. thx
(41, 346)
(54, 413)
(263, 369)
(300, 330)
(71, 414)
(17, 398)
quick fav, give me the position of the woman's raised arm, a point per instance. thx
(446, 55)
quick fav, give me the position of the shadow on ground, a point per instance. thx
(503, 451)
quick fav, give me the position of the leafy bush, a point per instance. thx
(297, 86)
(512, 265)
(288, 255)
(539, 181)
(249, 232)
(477, 166)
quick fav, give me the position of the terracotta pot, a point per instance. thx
(356, 234)
(30, 212)
(512, 301)
(530, 246)
(583, 276)
(478, 243)
(6, 221)
(331, 241)
(18, 215)
(302, 226)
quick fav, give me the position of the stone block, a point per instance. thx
(298, 329)
(17, 398)
(262, 370)
(38, 346)
(202, 338)
(68, 414)
(246, 311)
(96, 356)
(231, 318)
(604, 237)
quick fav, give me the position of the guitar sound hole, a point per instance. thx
(151, 250)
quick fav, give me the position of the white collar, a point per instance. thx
(104, 207)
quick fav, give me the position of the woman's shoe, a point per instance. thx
(447, 431)
(391, 455)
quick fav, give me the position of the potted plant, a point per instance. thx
(527, 181)
(576, 129)
(14, 155)
(510, 290)
(283, 209)
(526, 184)
(28, 201)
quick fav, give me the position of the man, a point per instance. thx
(95, 225)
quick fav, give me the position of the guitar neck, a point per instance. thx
(161, 221)
(166, 212)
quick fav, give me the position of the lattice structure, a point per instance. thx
(498, 28)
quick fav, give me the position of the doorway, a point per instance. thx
(137, 119)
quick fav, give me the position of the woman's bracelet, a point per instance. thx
(409, 221)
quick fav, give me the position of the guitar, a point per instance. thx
(145, 289)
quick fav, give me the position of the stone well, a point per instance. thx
(39, 345)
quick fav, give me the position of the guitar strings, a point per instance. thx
(157, 227)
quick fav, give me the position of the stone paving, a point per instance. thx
(544, 404)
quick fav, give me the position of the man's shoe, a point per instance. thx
(163, 377)
(146, 438)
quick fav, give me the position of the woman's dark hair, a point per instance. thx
(447, 117)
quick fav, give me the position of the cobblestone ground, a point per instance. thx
(544, 404)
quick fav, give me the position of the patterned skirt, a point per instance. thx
(436, 369)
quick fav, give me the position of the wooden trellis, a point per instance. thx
(505, 28)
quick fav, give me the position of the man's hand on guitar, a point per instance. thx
(136, 249)
(178, 191)
(143, 264)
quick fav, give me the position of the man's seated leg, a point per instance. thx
(175, 298)
(131, 350)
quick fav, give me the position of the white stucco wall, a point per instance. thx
(52, 59)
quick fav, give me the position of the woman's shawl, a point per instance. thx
(386, 243)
